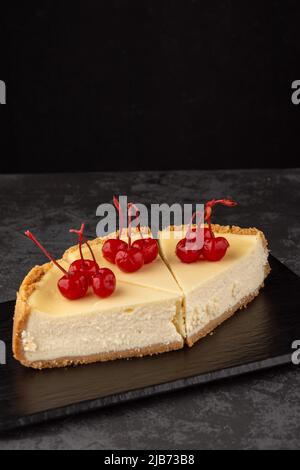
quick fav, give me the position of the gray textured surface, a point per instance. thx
(258, 411)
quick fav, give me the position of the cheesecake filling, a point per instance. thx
(134, 318)
(227, 291)
(98, 332)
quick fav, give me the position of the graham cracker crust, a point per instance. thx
(22, 309)
(104, 357)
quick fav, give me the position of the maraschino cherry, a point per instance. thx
(131, 258)
(73, 286)
(104, 283)
(113, 245)
(187, 250)
(214, 248)
(87, 267)
(148, 246)
(102, 280)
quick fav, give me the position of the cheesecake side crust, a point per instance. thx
(212, 325)
(105, 357)
(22, 309)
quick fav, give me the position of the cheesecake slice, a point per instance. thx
(153, 310)
(214, 291)
(51, 331)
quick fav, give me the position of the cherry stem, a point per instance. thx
(80, 236)
(90, 248)
(191, 223)
(38, 244)
(129, 223)
(121, 217)
(130, 206)
(210, 204)
(190, 228)
(83, 239)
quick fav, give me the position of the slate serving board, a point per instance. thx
(256, 338)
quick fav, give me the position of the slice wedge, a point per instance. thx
(213, 291)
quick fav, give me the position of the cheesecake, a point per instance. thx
(142, 317)
(154, 310)
(214, 291)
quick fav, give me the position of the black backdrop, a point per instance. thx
(106, 85)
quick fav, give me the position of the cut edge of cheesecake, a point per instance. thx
(23, 312)
(213, 324)
(242, 303)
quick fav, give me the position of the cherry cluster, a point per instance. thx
(129, 257)
(213, 248)
(82, 273)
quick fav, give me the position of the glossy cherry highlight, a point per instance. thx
(185, 254)
(73, 286)
(111, 248)
(149, 248)
(104, 283)
(189, 248)
(130, 260)
(213, 248)
(113, 245)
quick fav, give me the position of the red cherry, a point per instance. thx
(102, 280)
(192, 237)
(111, 247)
(104, 283)
(73, 286)
(130, 259)
(185, 254)
(86, 267)
(208, 234)
(149, 248)
(214, 249)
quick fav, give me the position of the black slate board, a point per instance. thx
(256, 338)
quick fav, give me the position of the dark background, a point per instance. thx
(121, 85)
